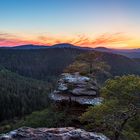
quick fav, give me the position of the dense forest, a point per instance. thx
(20, 95)
(46, 64)
(42, 64)
(28, 76)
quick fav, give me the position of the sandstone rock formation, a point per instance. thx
(68, 133)
(77, 88)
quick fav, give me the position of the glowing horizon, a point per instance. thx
(89, 23)
(116, 40)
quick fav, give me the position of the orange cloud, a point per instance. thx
(7, 39)
(104, 39)
(110, 40)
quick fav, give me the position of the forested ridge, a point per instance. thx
(46, 64)
(42, 64)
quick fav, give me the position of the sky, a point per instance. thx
(89, 23)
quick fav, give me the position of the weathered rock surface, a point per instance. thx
(68, 133)
(77, 88)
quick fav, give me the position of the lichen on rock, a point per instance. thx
(77, 88)
(67, 133)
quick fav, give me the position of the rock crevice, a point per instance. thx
(77, 88)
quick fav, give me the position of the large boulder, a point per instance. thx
(77, 88)
(67, 133)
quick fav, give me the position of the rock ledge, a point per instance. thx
(67, 133)
(77, 88)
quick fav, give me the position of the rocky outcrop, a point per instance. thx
(77, 88)
(68, 133)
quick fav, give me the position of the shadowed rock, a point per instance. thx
(68, 133)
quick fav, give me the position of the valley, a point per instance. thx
(29, 76)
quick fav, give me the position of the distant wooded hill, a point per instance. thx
(131, 53)
(45, 64)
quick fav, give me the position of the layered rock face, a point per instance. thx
(68, 133)
(77, 88)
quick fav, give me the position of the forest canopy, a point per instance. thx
(118, 116)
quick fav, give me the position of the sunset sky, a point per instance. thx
(109, 23)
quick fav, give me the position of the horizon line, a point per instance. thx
(45, 45)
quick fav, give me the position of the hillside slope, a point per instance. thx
(131, 53)
(46, 64)
(20, 95)
(40, 64)
(121, 65)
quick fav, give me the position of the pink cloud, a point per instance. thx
(81, 40)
